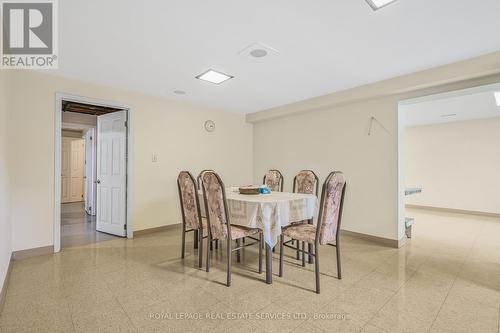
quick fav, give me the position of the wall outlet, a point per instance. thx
(154, 157)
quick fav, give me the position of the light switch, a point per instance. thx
(154, 157)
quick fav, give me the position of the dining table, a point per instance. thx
(269, 212)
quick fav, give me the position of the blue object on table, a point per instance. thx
(264, 190)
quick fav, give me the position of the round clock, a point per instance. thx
(209, 125)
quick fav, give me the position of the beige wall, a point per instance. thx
(172, 130)
(5, 223)
(337, 139)
(72, 134)
(329, 133)
(457, 164)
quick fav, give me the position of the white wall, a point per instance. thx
(337, 139)
(457, 164)
(329, 133)
(5, 224)
(173, 130)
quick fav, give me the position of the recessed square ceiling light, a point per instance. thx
(214, 76)
(497, 97)
(377, 4)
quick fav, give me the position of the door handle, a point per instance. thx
(98, 181)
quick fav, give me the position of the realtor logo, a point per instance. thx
(29, 32)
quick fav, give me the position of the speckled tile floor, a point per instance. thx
(446, 279)
(78, 228)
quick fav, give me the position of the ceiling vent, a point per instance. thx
(258, 51)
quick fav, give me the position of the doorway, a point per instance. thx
(448, 161)
(93, 178)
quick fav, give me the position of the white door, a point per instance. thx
(72, 169)
(77, 169)
(111, 173)
(90, 172)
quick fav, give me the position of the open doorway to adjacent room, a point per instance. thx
(448, 167)
(93, 150)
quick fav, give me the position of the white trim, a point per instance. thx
(57, 158)
(450, 94)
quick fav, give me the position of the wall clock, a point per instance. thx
(209, 125)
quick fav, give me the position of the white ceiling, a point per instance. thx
(159, 46)
(466, 106)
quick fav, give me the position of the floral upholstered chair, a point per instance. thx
(274, 180)
(327, 230)
(191, 215)
(306, 182)
(198, 179)
(219, 224)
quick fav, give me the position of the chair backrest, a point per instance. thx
(198, 179)
(214, 196)
(190, 203)
(274, 180)
(306, 182)
(332, 201)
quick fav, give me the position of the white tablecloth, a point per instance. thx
(269, 212)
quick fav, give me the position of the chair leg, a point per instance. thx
(316, 267)
(339, 270)
(281, 256)
(183, 241)
(211, 245)
(200, 248)
(303, 254)
(298, 247)
(238, 252)
(261, 241)
(195, 239)
(209, 242)
(310, 247)
(229, 251)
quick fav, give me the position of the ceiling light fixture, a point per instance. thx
(448, 115)
(377, 4)
(179, 92)
(213, 76)
(497, 97)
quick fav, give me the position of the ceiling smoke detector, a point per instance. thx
(258, 50)
(258, 53)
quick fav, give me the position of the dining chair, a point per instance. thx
(198, 179)
(306, 182)
(326, 232)
(198, 182)
(219, 222)
(191, 214)
(274, 180)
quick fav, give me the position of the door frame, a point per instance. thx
(59, 97)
